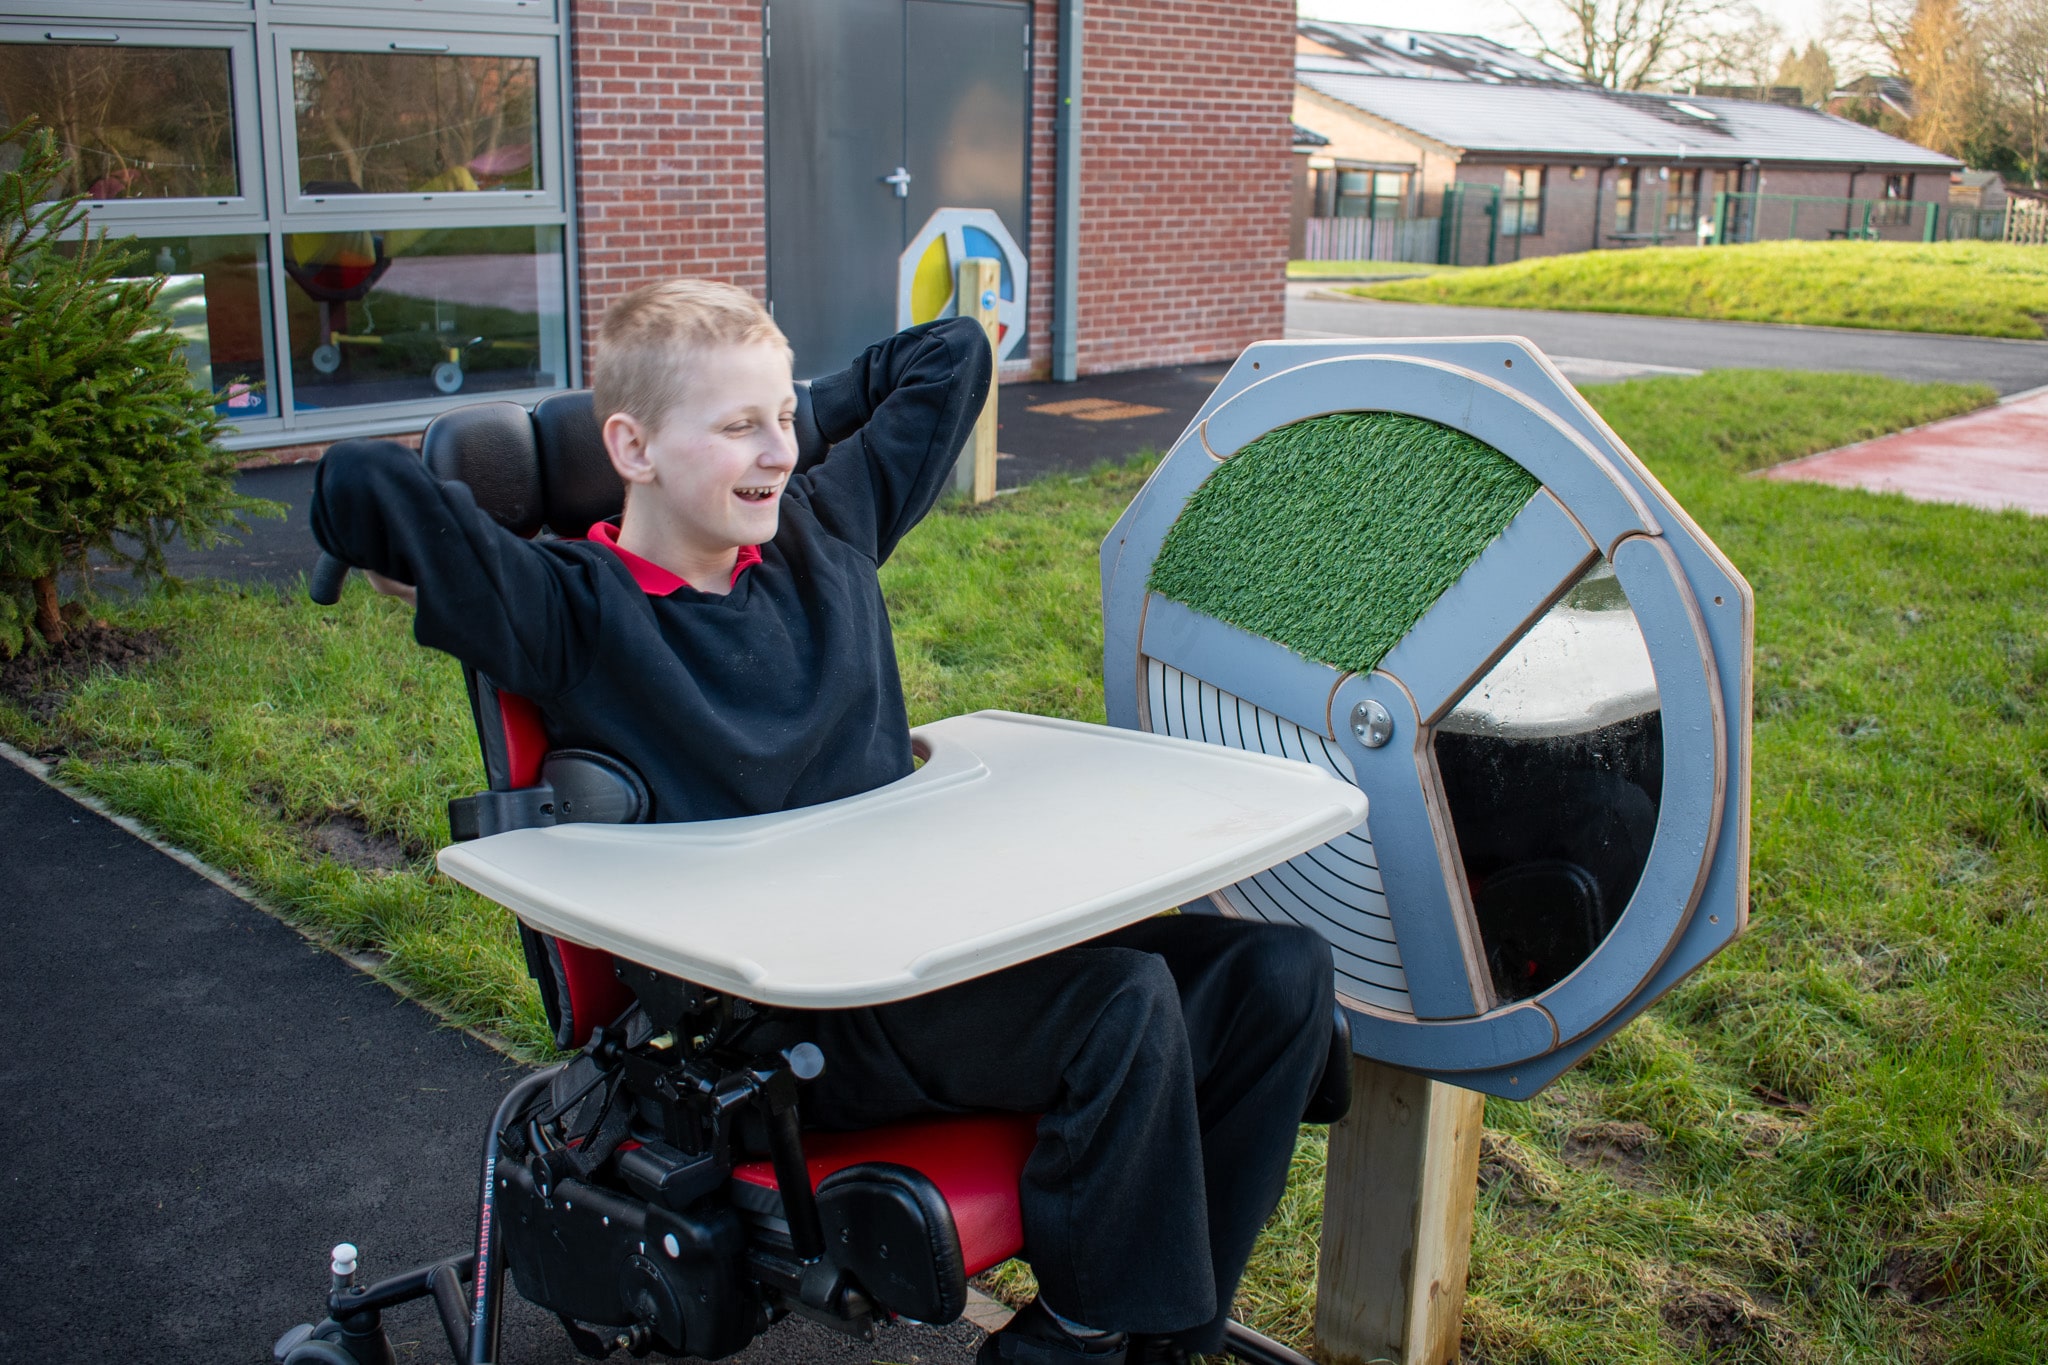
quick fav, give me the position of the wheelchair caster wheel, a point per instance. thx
(327, 358)
(302, 1346)
(448, 377)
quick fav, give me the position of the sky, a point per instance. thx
(1494, 19)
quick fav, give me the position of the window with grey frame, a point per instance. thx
(1521, 201)
(1356, 192)
(1625, 200)
(363, 221)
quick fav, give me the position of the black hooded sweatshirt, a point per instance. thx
(781, 693)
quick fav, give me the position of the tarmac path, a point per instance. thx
(197, 1103)
(1313, 311)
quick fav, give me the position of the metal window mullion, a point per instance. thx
(544, 50)
(236, 41)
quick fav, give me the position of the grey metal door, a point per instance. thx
(835, 131)
(880, 111)
(968, 100)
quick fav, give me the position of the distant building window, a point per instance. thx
(1521, 201)
(1625, 201)
(1348, 192)
(1682, 202)
(1897, 207)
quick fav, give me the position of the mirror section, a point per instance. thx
(1552, 767)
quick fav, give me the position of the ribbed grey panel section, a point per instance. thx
(1334, 889)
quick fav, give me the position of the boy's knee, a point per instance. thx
(1141, 1003)
(1291, 964)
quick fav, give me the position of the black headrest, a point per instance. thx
(582, 487)
(490, 447)
(549, 468)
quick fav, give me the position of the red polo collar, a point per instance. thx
(654, 580)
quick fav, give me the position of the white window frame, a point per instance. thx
(240, 45)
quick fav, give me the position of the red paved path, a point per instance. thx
(1996, 457)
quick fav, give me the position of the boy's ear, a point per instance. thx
(625, 441)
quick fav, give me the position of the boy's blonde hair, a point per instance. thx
(649, 338)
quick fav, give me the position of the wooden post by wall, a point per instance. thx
(978, 281)
(1397, 1220)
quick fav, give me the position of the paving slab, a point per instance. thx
(1995, 458)
(197, 1102)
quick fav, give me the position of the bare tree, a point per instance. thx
(2017, 43)
(1736, 45)
(1621, 44)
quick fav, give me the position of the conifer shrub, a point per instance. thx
(107, 446)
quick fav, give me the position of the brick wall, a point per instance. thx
(1187, 153)
(668, 144)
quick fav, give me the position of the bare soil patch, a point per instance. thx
(1725, 1326)
(1623, 1150)
(41, 680)
(348, 840)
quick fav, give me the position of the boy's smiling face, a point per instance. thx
(709, 479)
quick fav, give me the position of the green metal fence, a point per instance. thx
(1751, 217)
(1484, 224)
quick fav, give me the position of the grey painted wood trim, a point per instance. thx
(1689, 811)
(1429, 910)
(1127, 555)
(1448, 1049)
(1239, 662)
(1481, 616)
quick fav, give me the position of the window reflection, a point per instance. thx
(136, 122)
(215, 298)
(409, 123)
(1552, 767)
(390, 315)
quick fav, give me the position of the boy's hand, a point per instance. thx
(391, 587)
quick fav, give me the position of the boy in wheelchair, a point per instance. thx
(727, 642)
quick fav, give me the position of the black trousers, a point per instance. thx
(1170, 1062)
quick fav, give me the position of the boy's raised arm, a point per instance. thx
(897, 419)
(523, 616)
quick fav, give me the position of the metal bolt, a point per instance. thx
(671, 1245)
(1372, 723)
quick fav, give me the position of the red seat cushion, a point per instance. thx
(974, 1159)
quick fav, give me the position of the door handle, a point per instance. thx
(901, 180)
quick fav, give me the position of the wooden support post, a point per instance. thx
(1397, 1220)
(980, 278)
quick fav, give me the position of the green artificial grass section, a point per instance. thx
(1830, 1145)
(1977, 288)
(1334, 535)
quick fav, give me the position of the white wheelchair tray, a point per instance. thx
(1018, 836)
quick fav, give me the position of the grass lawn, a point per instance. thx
(1827, 1146)
(1978, 288)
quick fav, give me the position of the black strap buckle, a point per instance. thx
(488, 813)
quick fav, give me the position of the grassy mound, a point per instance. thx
(1334, 535)
(1977, 288)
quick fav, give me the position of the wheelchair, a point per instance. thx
(658, 1191)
